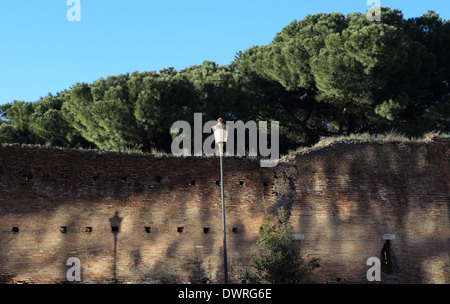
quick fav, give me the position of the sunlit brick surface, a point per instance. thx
(343, 199)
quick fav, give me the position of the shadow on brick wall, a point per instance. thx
(115, 222)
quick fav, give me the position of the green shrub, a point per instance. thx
(279, 260)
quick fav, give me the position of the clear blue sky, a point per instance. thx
(42, 52)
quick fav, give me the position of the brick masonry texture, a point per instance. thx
(342, 198)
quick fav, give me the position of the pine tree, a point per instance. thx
(279, 260)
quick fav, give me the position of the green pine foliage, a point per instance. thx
(279, 260)
(323, 76)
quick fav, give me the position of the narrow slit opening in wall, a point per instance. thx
(28, 176)
(234, 230)
(217, 182)
(15, 229)
(88, 229)
(114, 229)
(193, 182)
(206, 230)
(387, 259)
(147, 229)
(63, 229)
(180, 229)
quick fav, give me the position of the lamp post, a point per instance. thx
(220, 136)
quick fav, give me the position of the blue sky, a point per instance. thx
(41, 52)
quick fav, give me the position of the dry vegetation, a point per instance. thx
(389, 137)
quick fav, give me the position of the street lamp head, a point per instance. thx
(220, 133)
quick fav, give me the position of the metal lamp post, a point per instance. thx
(220, 136)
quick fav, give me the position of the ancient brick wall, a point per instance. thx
(343, 200)
(350, 198)
(42, 190)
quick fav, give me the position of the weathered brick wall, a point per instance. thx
(42, 190)
(342, 199)
(350, 195)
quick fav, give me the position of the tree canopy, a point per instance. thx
(332, 75)
(324, 75)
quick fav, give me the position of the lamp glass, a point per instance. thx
(220, 133)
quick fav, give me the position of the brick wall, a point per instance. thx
(42, 190)
(349, 196)
(343, 199)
